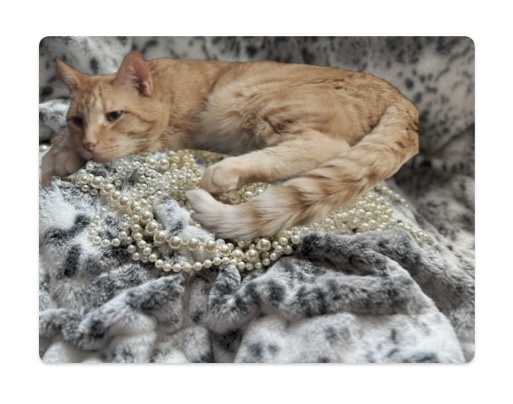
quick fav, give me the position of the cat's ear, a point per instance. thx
(135, 72)
(71, 77)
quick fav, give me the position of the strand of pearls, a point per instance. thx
(175, 172)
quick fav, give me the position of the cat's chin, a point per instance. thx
(94, 157)
(99, 159)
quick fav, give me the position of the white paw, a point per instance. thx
(211, 214)
(200, 200)
(203, 205)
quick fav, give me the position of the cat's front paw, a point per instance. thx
(221, 177)
(60, 160)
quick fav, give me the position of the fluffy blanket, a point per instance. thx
(374, 296)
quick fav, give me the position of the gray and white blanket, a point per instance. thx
(376, 296)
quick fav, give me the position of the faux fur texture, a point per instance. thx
(371, 297)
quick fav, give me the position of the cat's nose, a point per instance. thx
(89, 146)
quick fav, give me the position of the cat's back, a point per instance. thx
(263, 97)
(270, 77)
(298, 75)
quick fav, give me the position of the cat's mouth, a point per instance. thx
(85, 154)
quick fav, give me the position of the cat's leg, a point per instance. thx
(311, 195)
(62, 159)
(285, 160)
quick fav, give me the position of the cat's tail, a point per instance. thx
(315, 193)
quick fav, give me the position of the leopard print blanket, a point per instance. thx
(369, 297)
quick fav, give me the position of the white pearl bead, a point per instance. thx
(135, 205)
(164, 164)
(160, 237)
(354, 223)
(123, 201)
(252, 255)
(152, 227)
(146, 216)
(237, 254)
(193, 244)
(136, 228)
(175, 242)
(296, 239)
(210, 245)
(264, 245)
(283, 241)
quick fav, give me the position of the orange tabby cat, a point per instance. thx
(329, 134)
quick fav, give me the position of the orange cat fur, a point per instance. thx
(329, 134)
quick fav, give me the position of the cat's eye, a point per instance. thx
(77, 121)
(114, 116)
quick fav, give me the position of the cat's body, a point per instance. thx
(329, 134)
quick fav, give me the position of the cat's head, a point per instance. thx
(112, 116)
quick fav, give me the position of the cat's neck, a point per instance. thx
(186, 81)
(183, 86)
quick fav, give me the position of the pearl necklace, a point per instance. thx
(175, 172)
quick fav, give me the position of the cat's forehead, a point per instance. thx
(96, 97)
